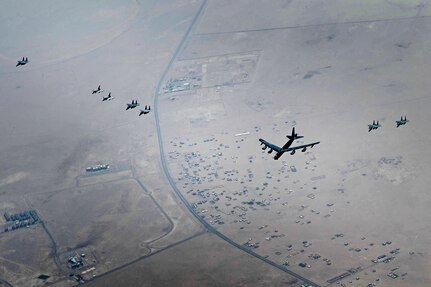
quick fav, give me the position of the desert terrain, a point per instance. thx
(190, 198)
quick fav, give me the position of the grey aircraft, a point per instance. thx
(97, 91)
(287, 146)
(145, 111)
(132, 105)
(22, 62)
(402, 121)
(108, 98)
(374, 126)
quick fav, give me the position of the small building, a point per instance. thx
(381, 258)
(74, 262)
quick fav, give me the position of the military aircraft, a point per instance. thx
(98, 90)
(108, 98)
(133, 105)
(145, 111)
(22, 62)
(402, 121)
(287, 146)
(374, 126)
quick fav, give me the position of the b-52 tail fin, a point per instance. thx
(294, 136)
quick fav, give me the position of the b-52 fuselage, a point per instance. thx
(145, 111)
(132, 105)
(22, 62)
(373, 126)
(402, 121)
(287, 146)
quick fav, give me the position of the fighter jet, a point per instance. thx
(286, 148)
(145, 111)
(108, 98)
(402, 121)
(22, 62)
(133, 105)
(374, 126)
(98, 90)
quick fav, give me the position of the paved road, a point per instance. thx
(141, 258)
(209, 227)
(54, 252)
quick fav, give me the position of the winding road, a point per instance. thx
(169, 177)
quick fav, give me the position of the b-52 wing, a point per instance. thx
(303, 147)
(270, 145)
(279, 149)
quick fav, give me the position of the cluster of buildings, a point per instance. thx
(20, 220)
(383, 258)
(185, 83)
(199, 174)
(222, 192)
(81, 264)
(76, 260)
(98, 167)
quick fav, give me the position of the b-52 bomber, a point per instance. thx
(132, 105)
(22, 62)
(108, 98)
(145, 111)
(97, 91)
(373, 126)
(402, 121)
(287, 146)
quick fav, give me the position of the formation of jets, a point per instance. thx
(135, 104)
(287, 146)
(131, 105)
(22, 62)
(99, 90)
(279, 150)
(376, 125)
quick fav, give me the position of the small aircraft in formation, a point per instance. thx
(287, 146)
(145, 111)
(22, 62)
(373, 126)
(376, 125)
(98, 90)
(108, 98)
(402, 121)
(132, 105)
